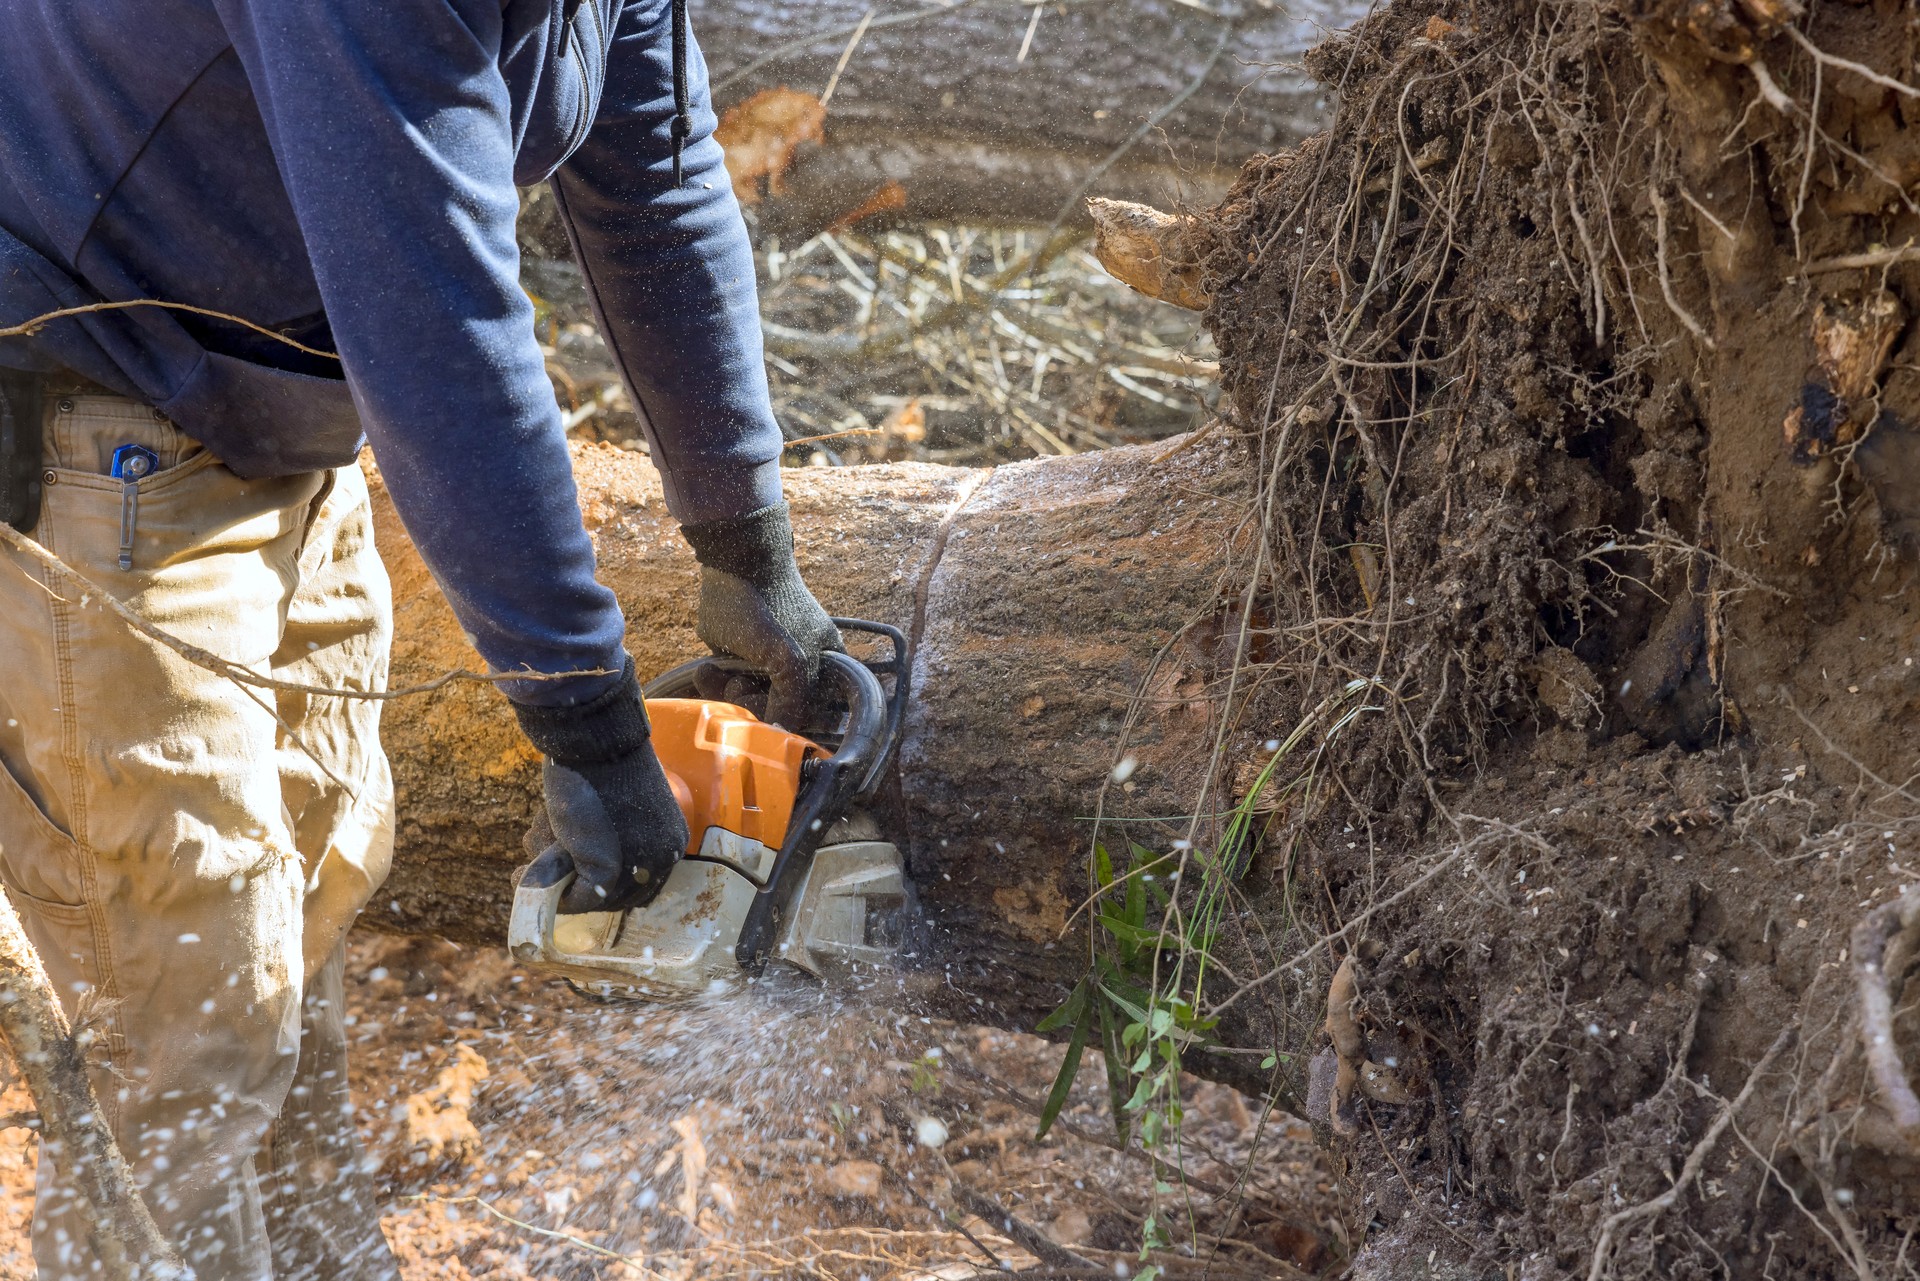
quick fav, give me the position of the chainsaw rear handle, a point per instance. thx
(683, 682)
(833, 783)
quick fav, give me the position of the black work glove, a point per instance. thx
(612, 815)
(753, 606)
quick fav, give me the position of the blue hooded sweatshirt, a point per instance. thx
(343, 172)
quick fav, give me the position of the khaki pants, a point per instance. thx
(186, 865)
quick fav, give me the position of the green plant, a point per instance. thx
(1116, 999)
(925, 1078)
(1156, 922)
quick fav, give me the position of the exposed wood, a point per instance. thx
(1045, 595)
(1149, 250)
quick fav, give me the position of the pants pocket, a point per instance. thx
(40, 869)
(84, 431)
(38, 860)
(187, 508)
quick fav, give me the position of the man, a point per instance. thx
(328, 176)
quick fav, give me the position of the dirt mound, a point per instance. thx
(1575, 366)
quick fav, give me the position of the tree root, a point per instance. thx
(1696, 1161)
(1871, 940)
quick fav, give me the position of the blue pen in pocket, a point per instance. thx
(131, 465)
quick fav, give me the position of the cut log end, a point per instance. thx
(1156, 253)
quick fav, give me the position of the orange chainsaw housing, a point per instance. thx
(729, 769)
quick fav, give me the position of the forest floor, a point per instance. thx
(523, 1131)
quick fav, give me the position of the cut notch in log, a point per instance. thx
(1156, 253)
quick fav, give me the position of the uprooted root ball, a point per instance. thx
(1603, 637)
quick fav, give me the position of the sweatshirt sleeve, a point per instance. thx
(670, 273)
(390, 124)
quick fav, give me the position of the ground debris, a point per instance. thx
(525, 1133)
(438, 1128)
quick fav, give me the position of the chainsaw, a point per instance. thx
(783, 863)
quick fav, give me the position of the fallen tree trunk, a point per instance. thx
(998, 112)
(1044, 596)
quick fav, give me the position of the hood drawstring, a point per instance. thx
(682, 115)
(682, 108)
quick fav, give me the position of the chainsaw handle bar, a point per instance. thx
(897, 665)
(833, 784)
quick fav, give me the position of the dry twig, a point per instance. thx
(27, 328)
(1018, 1230)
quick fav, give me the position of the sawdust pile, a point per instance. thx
(1575, 362)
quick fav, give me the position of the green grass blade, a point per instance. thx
(1069, 1068)
(1069, 1012)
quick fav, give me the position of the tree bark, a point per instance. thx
(1045, 597)
(945, 105)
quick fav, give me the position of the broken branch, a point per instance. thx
(1149, 250)
(73, 1131)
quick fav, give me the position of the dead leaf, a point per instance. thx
(761, 134)
(1072, 1228)
(1366, 566)
(438, 1127)
(693, 1166)
(1853, 341)
(888, 196)
(1383, 1084)
(907, 422)
(720, 1192)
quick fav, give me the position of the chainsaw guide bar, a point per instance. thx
(784, 865)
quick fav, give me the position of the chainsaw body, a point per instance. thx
(783, 865)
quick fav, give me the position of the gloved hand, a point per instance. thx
(753, 606)
(609, 808)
